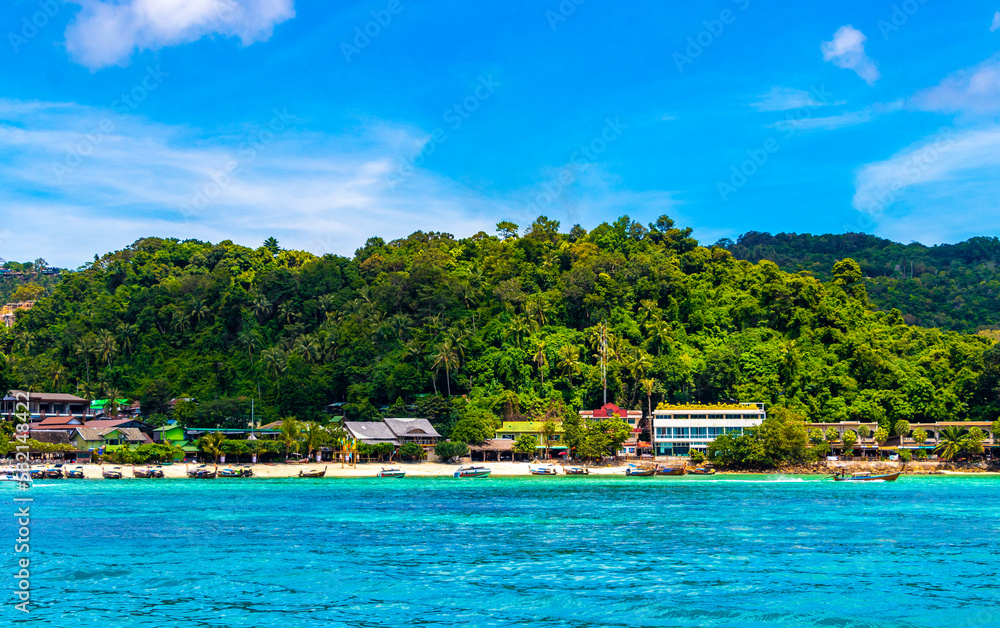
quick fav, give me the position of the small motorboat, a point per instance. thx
(473, 472)
(202, 472)
(75, 473)
(670, 470)
(576, 471)
(114, 473)
(12, 478)
(642, 472)
(38, 474)
(147, 473)
(701, 471)
(390, 472)
(866, 476)
(238, 472)
(312, 473)
(545, 469)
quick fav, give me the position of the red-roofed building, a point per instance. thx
(632, 446)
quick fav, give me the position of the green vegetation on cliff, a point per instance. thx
(492, 325)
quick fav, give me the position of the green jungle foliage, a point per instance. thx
(466, 331)
(952, 286)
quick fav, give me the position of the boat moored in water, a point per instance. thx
(148, 472)
(391, 472)
(642, 472)
(473, 472)
(238, 472)
(75, 473)
(866, 476)
(701, 471)
(576, 470)
(670, 470)
(114, 473)
(12, 478)
(202, 472)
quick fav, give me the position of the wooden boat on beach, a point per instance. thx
(147, 473)
(75, 473)
(114, 473)
(390, 472)
(473, 472)
(866, 476)
(54, 473)
(238, 472)
(576, 470)
(642, 472)
(670, 470)
(312, 473)
(38, 474)
(201, 472)
(545, 469)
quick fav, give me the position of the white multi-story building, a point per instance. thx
(678, 430)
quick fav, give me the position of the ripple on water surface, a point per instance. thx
(559, 552)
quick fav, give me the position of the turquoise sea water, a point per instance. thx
(546, 552)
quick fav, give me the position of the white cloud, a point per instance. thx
(996, 22)
(971, 91)
(786, 98)
(839, 121)
(79, 190)
(847, 50)
(941, 189)
(107, 33)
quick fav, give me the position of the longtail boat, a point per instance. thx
(202, 473)
(390, 472)
(701, 471)
(38, 474)
(670, 470)
(866, 476)
(576, 471)
(312, 473)
(238, 472)
(545, 469)
(54, 473)
(147, 473)
(115, 473)
(473, 472)
(75, 473)
(642, 472)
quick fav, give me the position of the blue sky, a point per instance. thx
(326, 123)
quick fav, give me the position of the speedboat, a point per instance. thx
(545, 469)
(391, 472)
(12, 478)
(473, 472)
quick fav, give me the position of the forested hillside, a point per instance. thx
(508, 323)
(952, 286)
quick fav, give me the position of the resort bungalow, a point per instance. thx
(679, 429)
(108, 439)
(43, 405)
(419, 431)
(512, 430)
(371, 432)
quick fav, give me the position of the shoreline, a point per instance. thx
(521, 469)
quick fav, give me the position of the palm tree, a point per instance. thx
(261, 308)
(902, 428)
(250, 340)
(337, 434)
(126, 331)
(57, 377)
(952, 441)
(313, 437)
(569, 361)
(286, 312)
(107, 346)
(308, 348)
(211, 444)
(85, 349)
(517, 328)
(325, 303)
(541, 360)
(180, 323)
(548, 431)
(291, 433)
(447, 357)
(111, 409)
(199, 310)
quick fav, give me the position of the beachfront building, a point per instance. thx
(92, 439)
(511, 430)
(868, 446)
(679, 429)
(43, 405)
(632, 446)
(419, 431)
(371, 432)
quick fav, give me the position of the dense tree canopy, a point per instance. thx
(499, 326)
